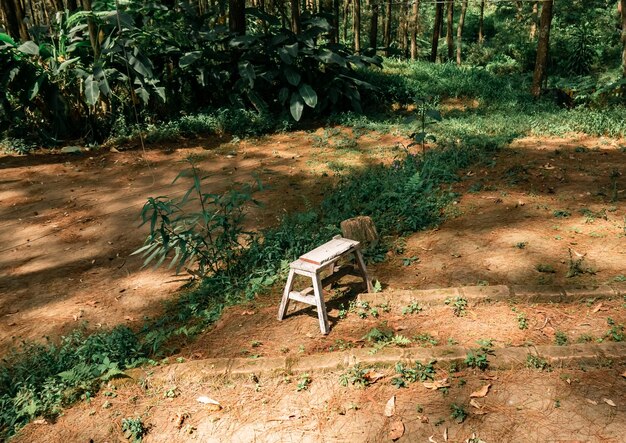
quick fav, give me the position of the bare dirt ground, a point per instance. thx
(69, 223)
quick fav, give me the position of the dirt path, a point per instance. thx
(69, 222)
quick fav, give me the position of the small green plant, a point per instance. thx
(536, 362)
(561, 213)
(383, 336)
(426, 339)
(458, 413)
(576, 266)
(521, 245)
(478, 358)
(134, 429)
(427, 115)
(560, 338)
(419, 372)
(408, 261)
(304, 382)
(356, 375)
(413, 308)
(616, 332)
(545, 268)
(256, 343)
(209, 237)
(584, 338)
(459, 305)
(522, 321)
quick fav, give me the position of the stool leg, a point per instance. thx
(321, 306)
(284, 304)
(361, 263)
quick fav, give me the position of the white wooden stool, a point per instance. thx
(311, 265)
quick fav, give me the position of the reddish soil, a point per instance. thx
(69, 224)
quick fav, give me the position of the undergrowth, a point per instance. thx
(409, 195)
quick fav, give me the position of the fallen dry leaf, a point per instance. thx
(373, 376)
(609, 402)
(40, 421)
(247, 313)
(445, 434)
(591, 402)
(129, 318)
(599, 307)
(431, 439)
(423, 418)
(390, 407)
(624, 375)
(482, 392)
(213, 405)
(180, 419)
(475, 404)
(437, 384)
(396, 430)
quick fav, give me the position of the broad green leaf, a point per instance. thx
(296, 106)
(6, 38)
(143, 94)
(34, 90)
(92, 90)
(283, 95)
(67, 63)
(189, 58)
(29, 48)
(284, 56)
(434, 114)
(328, 56)
(308, 94)
(292, 49)
(292, 76)
(246, 71)
(257, 101)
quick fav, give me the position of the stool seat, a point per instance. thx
(311, 265)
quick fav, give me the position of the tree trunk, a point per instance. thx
(10, 18)
(533, 23)
(374, 27)
(403, 25)
(449, 30)
(622, 5)
(327, 7)
(387, 27)
(295, 16)
(16, 26)
(415, 18)
(459, 32)
(361, 229)
(346, 14)
(542, 47)
(237, 16)
(357, 25)
(481, 21)
(72, 5)
(436, 30)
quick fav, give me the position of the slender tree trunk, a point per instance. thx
(237, 16)
(481, 23)
(336, 20)
(295, 16)
(403, 28)
(327, 8)
(436, 30)
(622, 5)
(459, 32)
(542, 47)
(387, 27)
(449, 30)
(415, 18)
(374, 27)
(533, 22)
(10, 18)
(72, 5)
(357, 25)
(346, 14)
